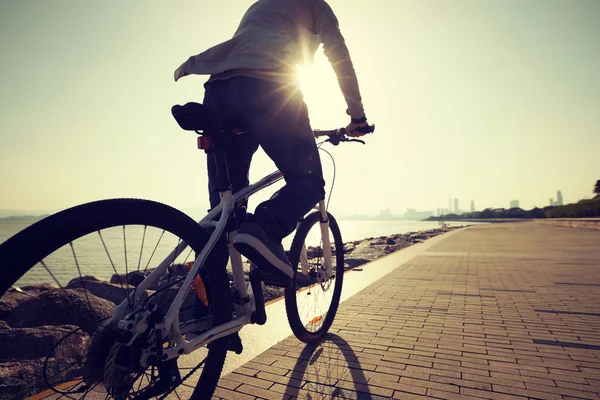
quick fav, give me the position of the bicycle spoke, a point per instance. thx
(142, 248)
(89, 390)
(154, 251)
(113, 265)
(51, 274)
(125, 252)
(80, 276)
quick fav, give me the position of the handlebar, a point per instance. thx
(339, 135)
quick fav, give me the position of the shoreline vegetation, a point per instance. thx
(30, 325)
(582, 209)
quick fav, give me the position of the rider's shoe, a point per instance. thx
(266, 253)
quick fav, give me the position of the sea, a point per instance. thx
(351, 229)
(92, 251)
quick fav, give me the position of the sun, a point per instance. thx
(321, 91)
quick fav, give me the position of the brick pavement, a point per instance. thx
(498, 311)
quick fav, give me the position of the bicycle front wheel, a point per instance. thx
(62, 266)
(312, 301)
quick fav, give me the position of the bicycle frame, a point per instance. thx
(170, 324)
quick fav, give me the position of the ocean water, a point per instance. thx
(351, 229)
(102, 256)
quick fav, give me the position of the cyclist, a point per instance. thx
(253, 84)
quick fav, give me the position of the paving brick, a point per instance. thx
(477, 316)
(262, 393)
(231, 395)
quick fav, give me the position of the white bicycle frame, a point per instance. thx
(170, 324)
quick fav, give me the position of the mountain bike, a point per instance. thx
(163, 328)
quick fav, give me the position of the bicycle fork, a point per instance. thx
(325, 243)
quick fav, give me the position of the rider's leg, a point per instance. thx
(239, 154)
(276, 115)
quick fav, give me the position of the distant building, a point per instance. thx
(411, 213)
(456, 210)
(472, 206)
(514, 204)
(559, 199)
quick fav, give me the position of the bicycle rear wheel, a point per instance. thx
(311, 302)
(63, 264)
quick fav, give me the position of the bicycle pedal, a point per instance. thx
(235, 343)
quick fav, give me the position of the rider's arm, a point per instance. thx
(327, 27)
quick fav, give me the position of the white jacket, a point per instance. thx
(272, 38)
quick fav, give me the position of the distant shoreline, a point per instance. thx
(23, 218)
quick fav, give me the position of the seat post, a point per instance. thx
(220, 161)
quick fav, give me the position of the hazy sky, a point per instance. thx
(484, 100)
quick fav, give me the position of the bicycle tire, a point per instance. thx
(296, 321)
(23, 251)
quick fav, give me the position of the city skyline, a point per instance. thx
(197, 211)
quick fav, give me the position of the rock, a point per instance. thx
(42, 287)
(349, 248)
(355, 262)
(272, 293)
(34, 343)
(4, 325)
(10, 301)
(102, 289)
(24, 352)
(133, 278)
(21, 379)
(178, 270)
(390, 241)
(61, 307)
(392, 248)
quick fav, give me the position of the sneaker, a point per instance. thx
(266, 253)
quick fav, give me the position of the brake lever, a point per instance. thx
(355, 140)
(334, 140)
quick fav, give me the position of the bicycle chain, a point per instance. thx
(164, 396)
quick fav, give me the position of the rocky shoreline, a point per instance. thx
(35, 320)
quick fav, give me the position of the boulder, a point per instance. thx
(24, 352)
(114, 293)
(42, 287)
(61, 307)
(349, 248)
(10, 301)
(21, 379)
(133, 278)
(35, 343)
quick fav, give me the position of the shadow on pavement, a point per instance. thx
(329, 368)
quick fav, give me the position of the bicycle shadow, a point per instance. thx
(329, 368)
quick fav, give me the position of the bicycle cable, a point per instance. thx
(333, 180)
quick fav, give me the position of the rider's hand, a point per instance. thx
(351, 129)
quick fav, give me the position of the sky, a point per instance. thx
(485, 101)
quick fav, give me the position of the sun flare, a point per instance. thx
(321, 91)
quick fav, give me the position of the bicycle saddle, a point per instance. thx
(195, 117)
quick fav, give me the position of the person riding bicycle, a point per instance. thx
(253, 85)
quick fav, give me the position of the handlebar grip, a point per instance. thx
(366, 129)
